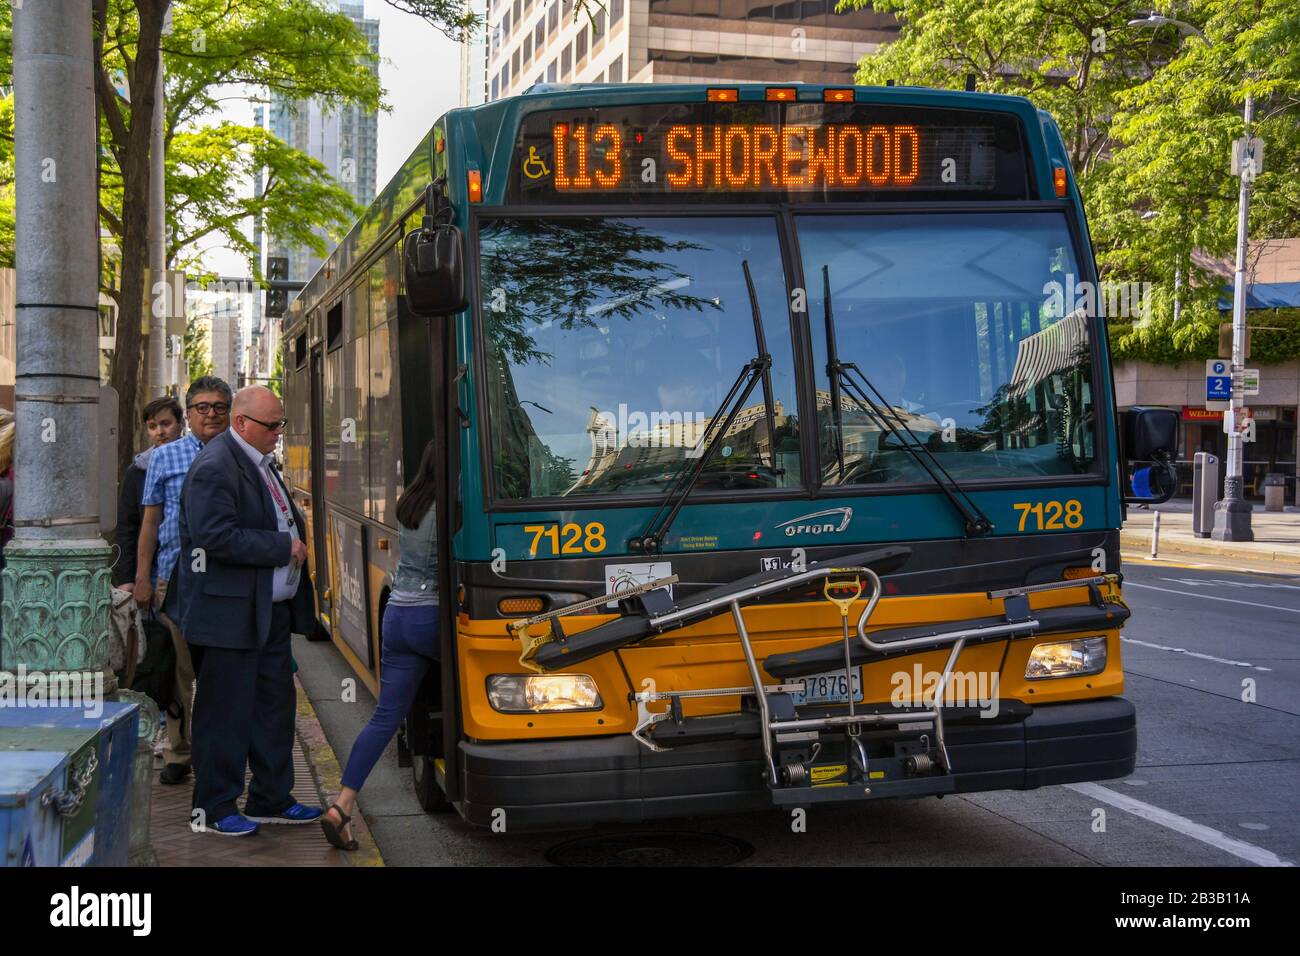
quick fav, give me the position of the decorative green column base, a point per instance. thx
(54, 624)
(54, 616)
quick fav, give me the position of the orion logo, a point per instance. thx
(810, 524)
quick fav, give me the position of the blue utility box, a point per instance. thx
(65, 784)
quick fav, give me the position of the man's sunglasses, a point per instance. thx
(269, 426)
(220, 409)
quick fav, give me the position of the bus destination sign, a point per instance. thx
(810, 150)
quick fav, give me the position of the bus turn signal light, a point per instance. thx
(1059, 180)
(1074, 574)
(837, 96)
(475, 182)
(781, 94)
(520, 605)
(723, 95)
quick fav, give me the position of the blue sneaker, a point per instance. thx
(235, 825)
(295, 814)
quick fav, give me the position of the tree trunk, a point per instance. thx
(128, 349)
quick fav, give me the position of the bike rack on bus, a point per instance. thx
(794, 782)
(920, 765)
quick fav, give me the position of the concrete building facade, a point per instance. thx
(677, 41)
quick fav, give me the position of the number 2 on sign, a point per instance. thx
(567, 538)
(1051, 515)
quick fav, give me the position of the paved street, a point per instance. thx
(1214, 786)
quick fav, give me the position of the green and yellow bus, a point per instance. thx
(775, 472)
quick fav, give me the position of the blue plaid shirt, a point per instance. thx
(168, 465)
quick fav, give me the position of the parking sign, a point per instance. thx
(1218, 383)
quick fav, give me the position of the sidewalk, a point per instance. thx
(316, 773)
(1277, 535)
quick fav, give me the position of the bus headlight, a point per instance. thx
(537, 693)
(1067, 659)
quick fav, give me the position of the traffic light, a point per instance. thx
(277, 300)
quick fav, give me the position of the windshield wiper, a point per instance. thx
(758, 369)
(842, 382)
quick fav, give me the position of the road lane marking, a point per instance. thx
(1211, 597)
(1224, 582)
(1172, 821)
(1204, 657)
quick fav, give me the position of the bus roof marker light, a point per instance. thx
(1059, 181)
(838, 96)
(781, 94)
(723, 95)
(474, 182)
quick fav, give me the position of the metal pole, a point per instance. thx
(1232, 514)
(56, 582)
(157, 302)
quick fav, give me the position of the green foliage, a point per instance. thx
(298, 192)
(1275, 337)
(277, 374)
(7, 181)
(1071, 57)
(197, 349)
(452, 17)
(1149, 116)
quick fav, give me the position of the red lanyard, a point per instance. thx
(272, 484)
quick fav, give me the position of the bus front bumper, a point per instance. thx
(579, 781)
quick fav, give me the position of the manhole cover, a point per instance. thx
(650, 848)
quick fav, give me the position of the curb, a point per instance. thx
(328, 775)
(1141, 541)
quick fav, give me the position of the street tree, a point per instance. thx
(1165, 207)
(1148, 117)
(297, 48)
(1071, 57)
(127, 56)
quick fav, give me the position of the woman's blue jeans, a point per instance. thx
(410, 648)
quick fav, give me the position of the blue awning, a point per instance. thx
(1265, 295)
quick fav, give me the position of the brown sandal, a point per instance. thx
(334, 833)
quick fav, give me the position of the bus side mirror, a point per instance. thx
(1151, 441)
(433, 261)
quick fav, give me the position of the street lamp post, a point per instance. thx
(1232, 514)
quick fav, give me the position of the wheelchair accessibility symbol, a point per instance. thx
(534, 168)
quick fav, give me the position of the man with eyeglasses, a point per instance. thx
(238, 611)
(207, 405)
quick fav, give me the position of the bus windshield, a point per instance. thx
(951, 317)
(613, 342)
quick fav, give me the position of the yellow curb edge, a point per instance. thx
(1141, 541)
(328, 775)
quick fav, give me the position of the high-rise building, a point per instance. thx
(345, 139)
(222, 313)
(474, 59)
(677, 41)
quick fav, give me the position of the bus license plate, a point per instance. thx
(828, 687)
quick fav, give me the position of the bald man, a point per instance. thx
(244, 590)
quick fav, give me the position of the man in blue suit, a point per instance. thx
(244, 589)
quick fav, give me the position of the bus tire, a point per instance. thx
(427, 791)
